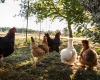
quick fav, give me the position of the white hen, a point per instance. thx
(69, 54)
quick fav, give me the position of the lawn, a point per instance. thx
(19, 65)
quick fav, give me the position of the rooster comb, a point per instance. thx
(14, 27)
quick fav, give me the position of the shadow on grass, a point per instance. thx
(18, 66)
(14, 66)
(86, 75)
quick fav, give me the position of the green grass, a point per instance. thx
(18, 66)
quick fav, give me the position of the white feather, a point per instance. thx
(69, 54)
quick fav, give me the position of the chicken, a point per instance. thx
(69, 54)
(7, 43)
(88, 57)
(44, 45)
(35, 50)
(53, 43)
(39, 50)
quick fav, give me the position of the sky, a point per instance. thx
(7, 19)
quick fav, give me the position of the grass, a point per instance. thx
(18, 66)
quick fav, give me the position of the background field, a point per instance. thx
(18, 66)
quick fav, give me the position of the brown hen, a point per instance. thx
(88, 57)
(39, 50)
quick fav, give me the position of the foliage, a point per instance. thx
(2, 1)
(19, 30)
(77, 34)
(78, 48)
(98, 51)
(65, 31)
(93, 7)
(84, 32)
(97, 35)
(52, 33)
(88, 33)
(97, 38)
(4, 28)
(25, 10)
(69, 10)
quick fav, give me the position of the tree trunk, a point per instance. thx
(70, 30)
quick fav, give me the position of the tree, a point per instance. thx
(26, 11)
(69, 10)
(93, 6)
